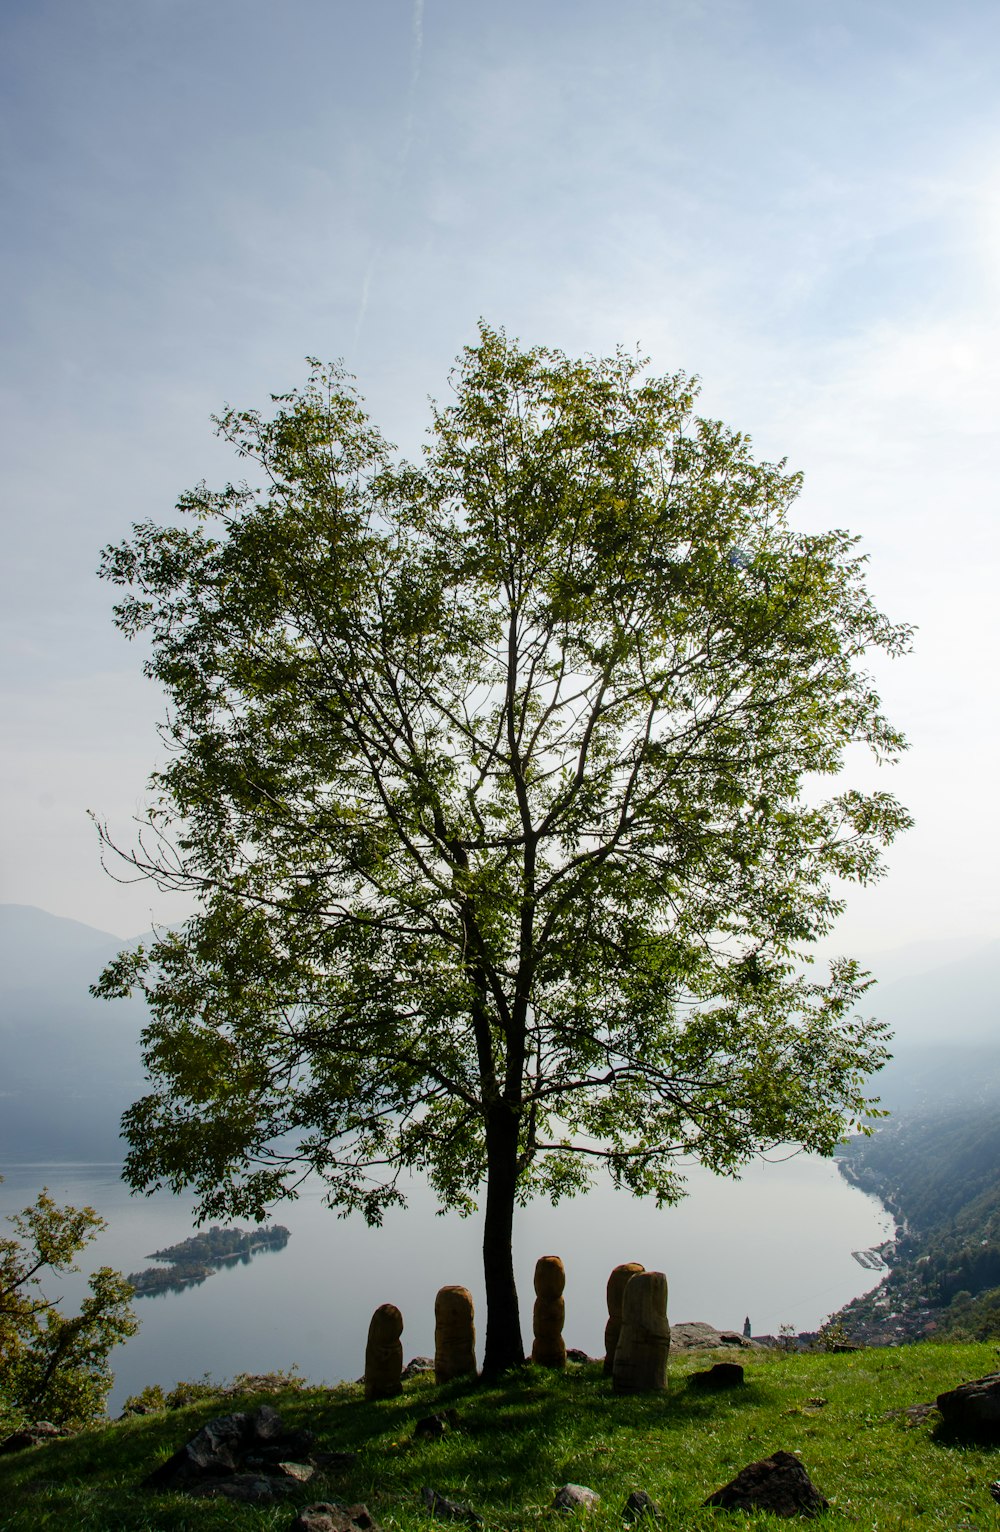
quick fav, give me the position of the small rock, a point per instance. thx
(974, 1406)
(575, 1355)
(640, 1505)
(722, 1375)
(433, 1426)
(325, 1517)
(575, 1497)
(778, 1484)
(300, 1472)
(448, 1510)
(32, 1436)
(417, 1365)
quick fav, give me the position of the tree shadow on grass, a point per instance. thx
(518, 1440)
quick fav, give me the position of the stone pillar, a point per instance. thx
(617, 1283)
(454, 1334)
(384, 1353)
(644, 1340)
(549, 1348)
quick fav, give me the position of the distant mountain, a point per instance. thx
(924, 956)
(946, 1025)
(939, 1075)
(69, 1064)
(958, 1001)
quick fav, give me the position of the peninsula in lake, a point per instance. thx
(191, 1261)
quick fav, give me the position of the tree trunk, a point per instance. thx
(504, 1347)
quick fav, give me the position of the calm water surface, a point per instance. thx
(775, 1245)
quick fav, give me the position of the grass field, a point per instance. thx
(518, 1442)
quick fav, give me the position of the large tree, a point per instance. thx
(498, 779)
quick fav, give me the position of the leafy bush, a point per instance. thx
(149, 1401)
(55, 1367)
(192, 1392)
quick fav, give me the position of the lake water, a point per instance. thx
(775, 1245)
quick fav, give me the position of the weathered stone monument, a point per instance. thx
(644, 1340)
(454, 1334)
(384, 1353)
(617, 1283)
(549, 1348)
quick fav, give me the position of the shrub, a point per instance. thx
(55, 1367)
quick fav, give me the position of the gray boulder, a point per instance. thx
(576, 1497)
(213, 1452)
(266, 1424)
(974, 1407)
(239, 1447)
(695, 1335)
(778, 1484)
(640, 1506)
(248, 1488)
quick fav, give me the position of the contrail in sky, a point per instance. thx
(416, 53)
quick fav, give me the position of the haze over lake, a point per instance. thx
(776, 1245)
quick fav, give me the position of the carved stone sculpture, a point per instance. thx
(454, 1334)
(384, 1353)
(617, 1283)
(549, 1348)
(644, 1339)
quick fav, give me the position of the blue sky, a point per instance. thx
(799, 202)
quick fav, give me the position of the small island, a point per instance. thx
(191, 1261)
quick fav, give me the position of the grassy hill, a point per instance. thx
(516, 1443)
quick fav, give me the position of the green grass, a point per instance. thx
(519, 1441)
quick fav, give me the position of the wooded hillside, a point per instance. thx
(939, 1173)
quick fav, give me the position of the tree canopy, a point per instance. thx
(497, 779)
